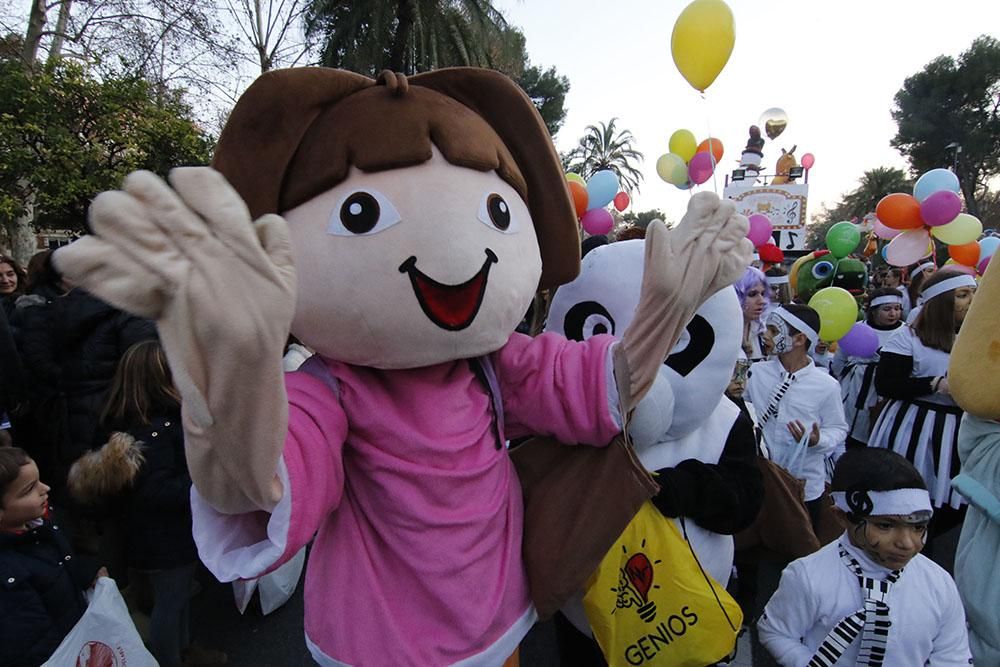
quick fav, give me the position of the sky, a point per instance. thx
(834, 67)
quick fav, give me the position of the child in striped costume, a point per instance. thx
(869, 598)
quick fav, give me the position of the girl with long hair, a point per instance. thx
(920, 420)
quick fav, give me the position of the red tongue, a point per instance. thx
(451, 305)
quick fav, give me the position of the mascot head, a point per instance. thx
(974, 368)
(424, 212)
(603, 299)
(816, 270)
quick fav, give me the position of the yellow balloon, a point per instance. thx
(683, 144)
(838, 311)
(963, 229)
(672, 169)
(574, 177)
(702, 41)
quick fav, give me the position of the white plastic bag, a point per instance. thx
(105, 636)
(275, 587)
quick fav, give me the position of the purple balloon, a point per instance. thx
(597, 221)
(700, 168)
(940, 208)
(760, 229)
(860, 341)
(983, 263)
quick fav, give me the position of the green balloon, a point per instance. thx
(842, 238)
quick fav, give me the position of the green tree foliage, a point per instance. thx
(66, 136)
(954, 102)
(406, 36)
(411, 37)
(547, 89)
(605, 147)
(643, 218)
(859, 202)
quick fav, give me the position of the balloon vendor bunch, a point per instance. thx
(934, 211)
(591, 196)
(688, 162)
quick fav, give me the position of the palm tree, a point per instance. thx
(875, 184)
(603, 147)
(408, 36)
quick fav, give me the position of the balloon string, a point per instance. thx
(711, 149)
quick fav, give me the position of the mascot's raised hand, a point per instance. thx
(222, 291)
(682, 268)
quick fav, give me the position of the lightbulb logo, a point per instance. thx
(634, 583)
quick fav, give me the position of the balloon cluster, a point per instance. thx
(933, 211)
(591, 196)
(689, 162)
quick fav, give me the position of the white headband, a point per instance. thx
(882, 300)
(926, 265)
(899, 502)
(947, 285)
(777, 280)
(801, 326)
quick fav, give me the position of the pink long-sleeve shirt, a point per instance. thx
(417, 514)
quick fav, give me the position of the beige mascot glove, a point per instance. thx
(707, 251)
(191, 259)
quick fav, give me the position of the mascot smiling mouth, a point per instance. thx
(451, 307)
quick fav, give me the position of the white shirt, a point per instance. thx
(812, 397)
(816, 592)
(927, 361)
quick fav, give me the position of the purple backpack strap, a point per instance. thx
(316, 367)
(493, 384)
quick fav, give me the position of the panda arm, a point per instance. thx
(722, 497)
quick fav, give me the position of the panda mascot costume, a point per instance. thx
(697, 441)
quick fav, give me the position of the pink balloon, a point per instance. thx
(908, 247)
(808, 160)
(860, 341)
(983, 263)
(700, 168)
(940, 208)
(760, 229)
(884, 232)
(597, 221)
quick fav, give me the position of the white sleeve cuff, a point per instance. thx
(242, 546)
(614, 401)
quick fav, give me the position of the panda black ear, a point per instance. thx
(592, 242)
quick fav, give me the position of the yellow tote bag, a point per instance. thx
(651, 603)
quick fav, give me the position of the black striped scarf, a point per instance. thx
(779, 393)
(871, 622)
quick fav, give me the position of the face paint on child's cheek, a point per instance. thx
(447, 275)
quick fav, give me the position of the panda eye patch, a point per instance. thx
(586, 319)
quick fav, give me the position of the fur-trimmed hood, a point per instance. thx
(106, 472)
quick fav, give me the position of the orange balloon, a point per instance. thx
(899, 211)
(967, 253)
(716, 148)
(580, 198)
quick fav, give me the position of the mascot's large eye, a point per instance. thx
(586, 319)
(700, 339)
(361, 213)
(822, 270)
(495, 212)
